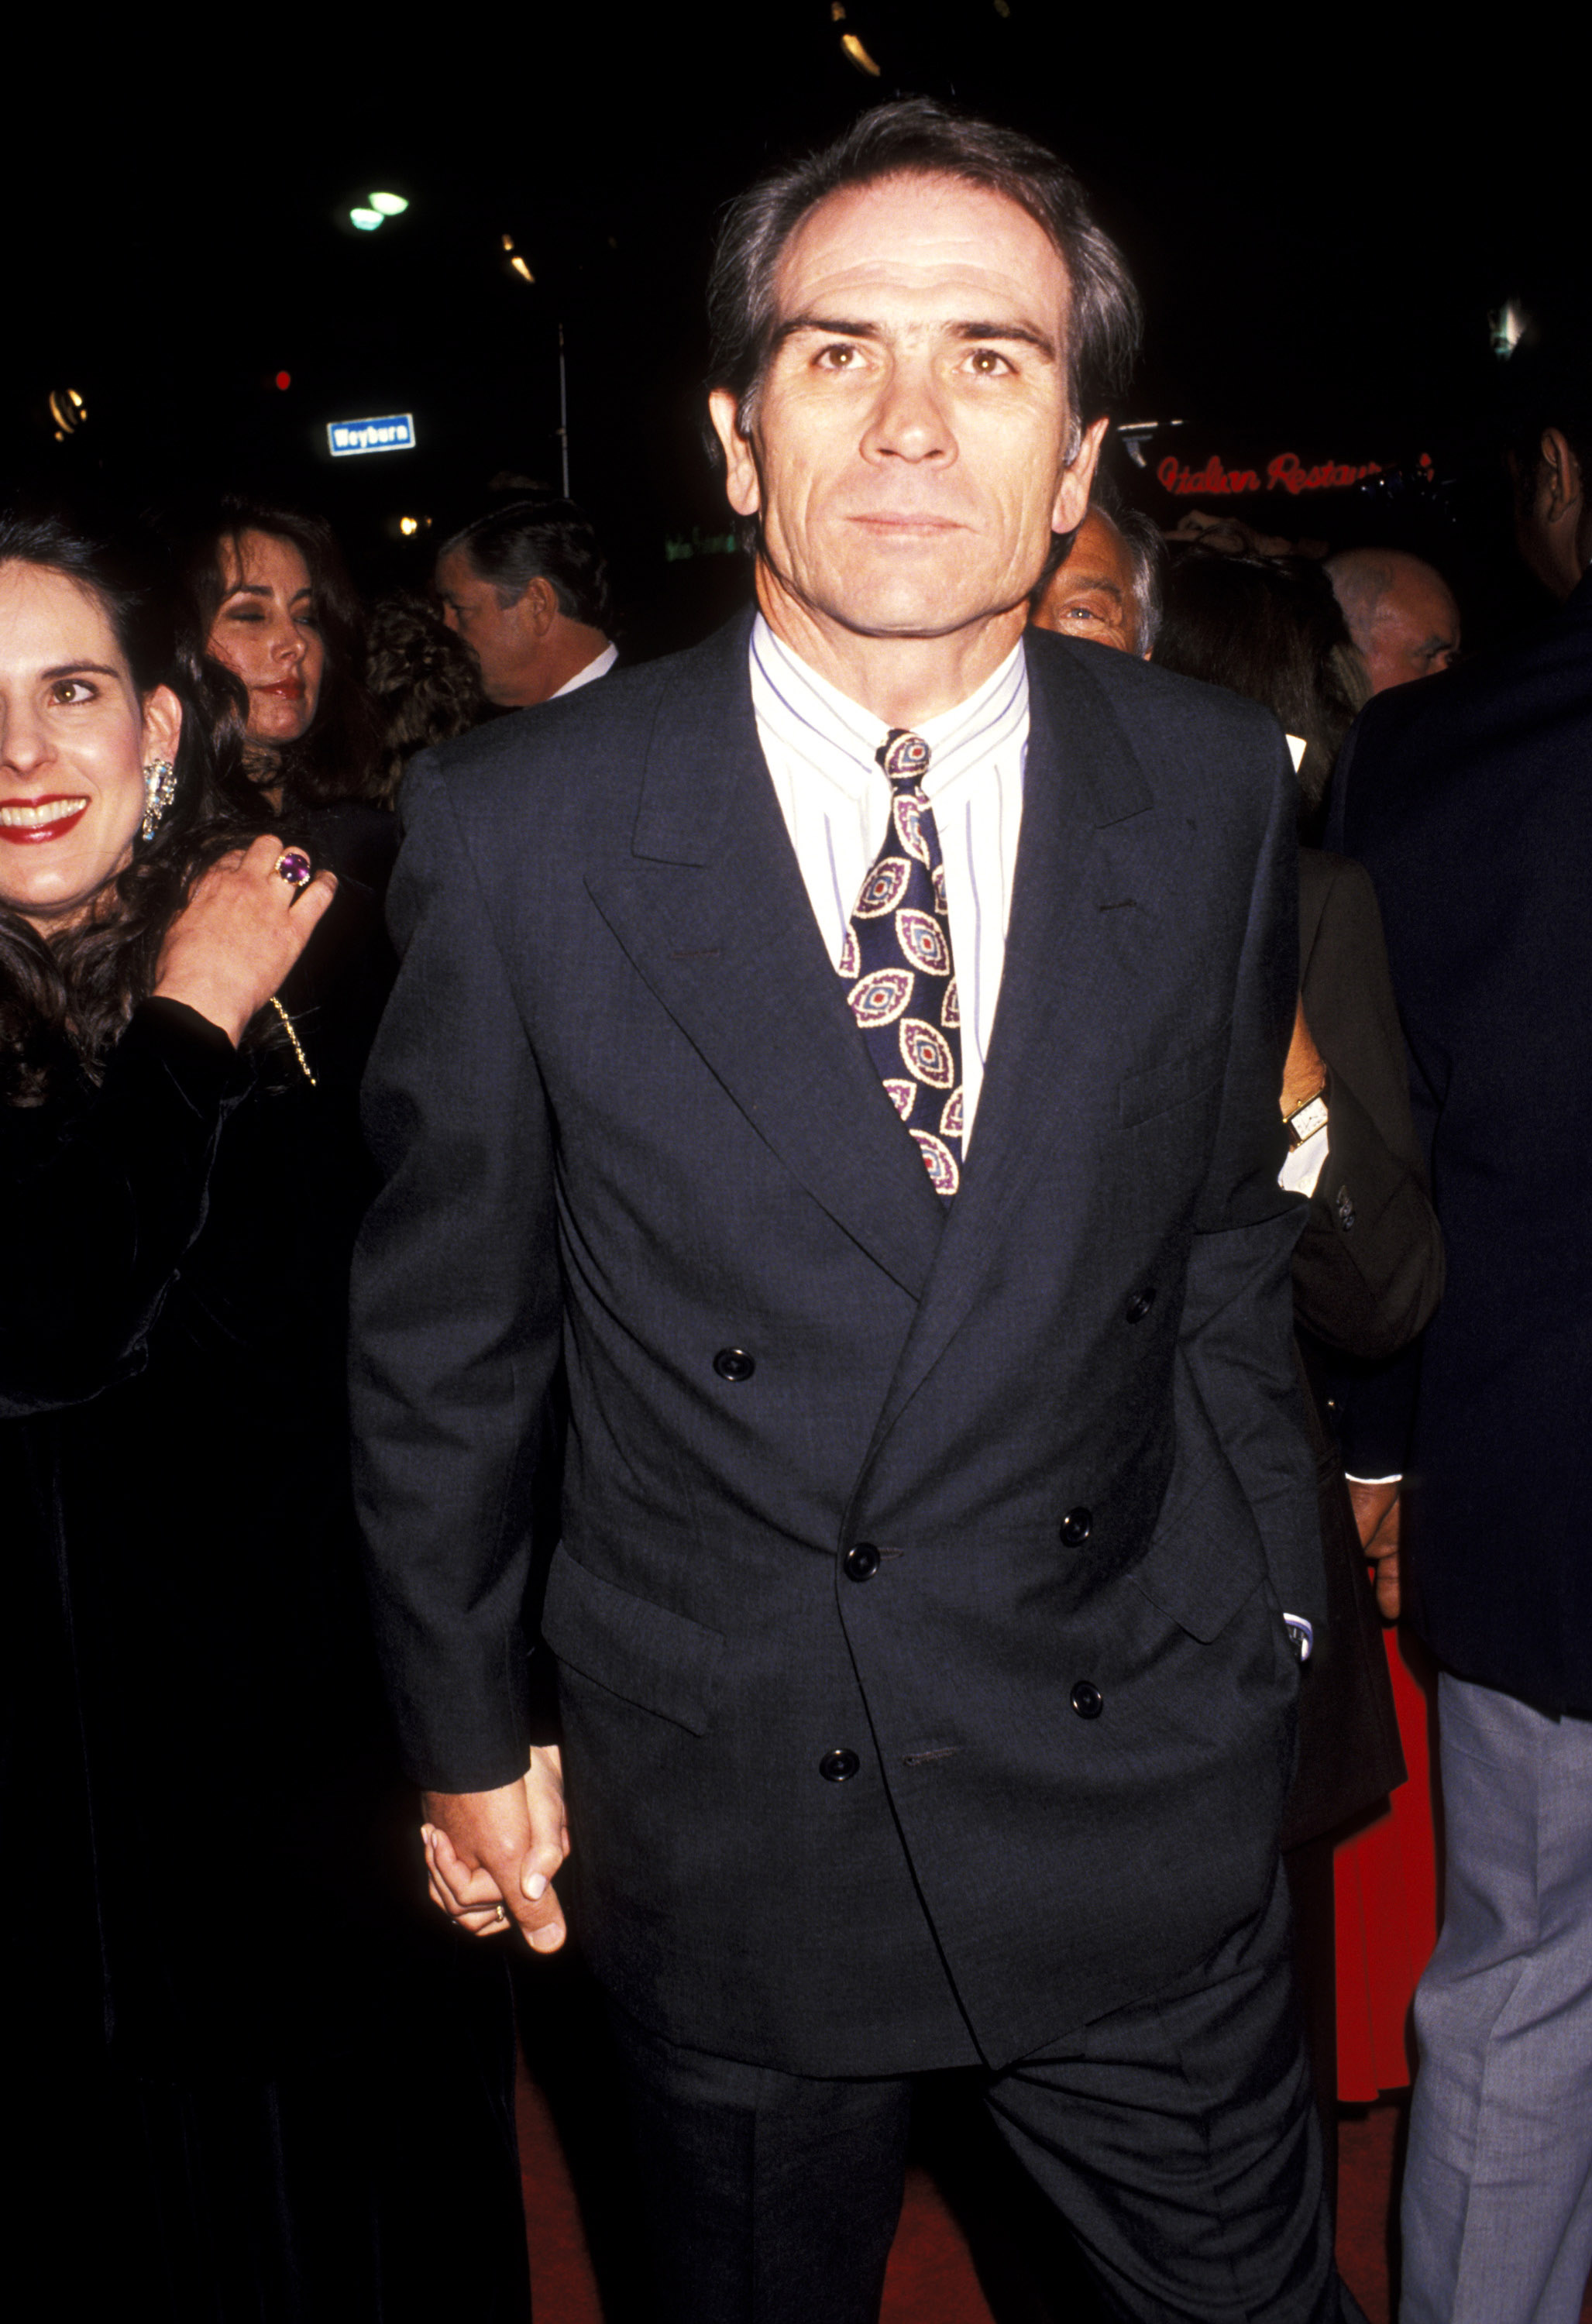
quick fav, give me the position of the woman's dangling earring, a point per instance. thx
(160, 788)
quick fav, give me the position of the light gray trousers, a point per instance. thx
(1497, 2206)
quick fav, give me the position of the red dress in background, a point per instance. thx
(1385, 1884)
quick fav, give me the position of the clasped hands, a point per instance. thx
(492, 1856)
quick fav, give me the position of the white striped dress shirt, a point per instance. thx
(836, 798)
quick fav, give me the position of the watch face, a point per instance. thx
(1308, 1120)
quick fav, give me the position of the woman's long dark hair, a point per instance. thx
(1269, 627)
(339, 756)
(74, 995)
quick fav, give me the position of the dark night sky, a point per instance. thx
(1320, 215)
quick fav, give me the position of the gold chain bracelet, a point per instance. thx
(297, 1043)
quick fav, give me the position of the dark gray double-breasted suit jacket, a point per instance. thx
(624, 1114)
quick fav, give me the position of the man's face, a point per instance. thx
(496, 634)
(1091, 595)
(909, 446)
(1415, 630)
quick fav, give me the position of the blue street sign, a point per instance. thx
(396, 433)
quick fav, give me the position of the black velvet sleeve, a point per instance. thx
(105, 1189)
(1369, 1271)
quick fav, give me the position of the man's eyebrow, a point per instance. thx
(836, 327)
(80, 669)
(1086, 581)
(1028, 335)
(830, 326)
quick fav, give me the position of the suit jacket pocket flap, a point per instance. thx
(1206, 1555)
(634, 1648)
(1161, 1086)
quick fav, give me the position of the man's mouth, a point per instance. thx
(905, 520)
(26, 822)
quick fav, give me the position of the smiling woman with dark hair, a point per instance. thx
(207, 1957)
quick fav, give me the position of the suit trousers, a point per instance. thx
(1176, 2138)
(1497, 2206)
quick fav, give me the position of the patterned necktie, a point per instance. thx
(897, 962)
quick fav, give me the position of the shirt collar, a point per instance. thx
(818, 722)
(598, 667)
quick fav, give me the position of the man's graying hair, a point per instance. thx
(916, 137)
(532, 540)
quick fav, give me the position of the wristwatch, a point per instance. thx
(1311, 1117)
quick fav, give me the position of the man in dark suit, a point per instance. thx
(939, 1539)
(1469, 800)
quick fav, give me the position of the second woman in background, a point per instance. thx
(279, 609)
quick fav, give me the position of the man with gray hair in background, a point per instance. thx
(526, 588)
(1108, 582)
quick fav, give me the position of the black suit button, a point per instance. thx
(861, 1562)
(1140, 1305)
(1087, 1700)
(734, 1364)
(839, 1766)
(1075, 1527)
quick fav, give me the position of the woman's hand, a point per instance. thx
(1377, 1520)
(245, 926)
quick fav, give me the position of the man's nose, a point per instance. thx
(450, 615)
(909, 421)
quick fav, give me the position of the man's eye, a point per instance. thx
(1080, 614)
(71, 689)
(987, 362)
(838, 358)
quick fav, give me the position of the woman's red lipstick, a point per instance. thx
(26, 823)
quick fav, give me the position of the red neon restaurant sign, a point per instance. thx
(1287, 472)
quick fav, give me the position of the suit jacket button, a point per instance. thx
(1140, 1305)
(734, 1364)
(839, 1766)
(1087, 1700)
(861, 1562)
(1075, 1527)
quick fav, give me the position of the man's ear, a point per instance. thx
(741, 469)
(162, 725)
(1564, 481)
(1072, 501)
(538, 606)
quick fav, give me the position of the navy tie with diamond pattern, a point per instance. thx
(899, 973)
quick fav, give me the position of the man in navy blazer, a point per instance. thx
(1468, 799)
(939, 1543)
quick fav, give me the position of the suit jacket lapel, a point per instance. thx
(1079, 862)
(712, 912)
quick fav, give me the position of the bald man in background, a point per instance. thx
(1401, 613)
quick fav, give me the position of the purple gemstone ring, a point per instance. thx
(294, 866)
